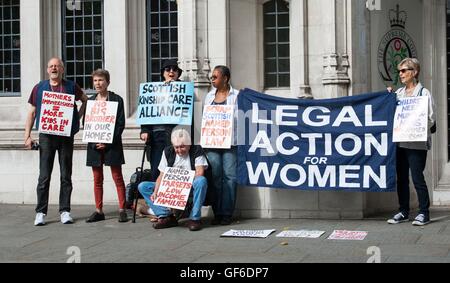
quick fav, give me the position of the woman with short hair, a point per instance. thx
(107, 154)
(223, 161)
(413, 155)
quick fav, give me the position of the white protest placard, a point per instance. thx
(56, 114)
(100, 121)
(175, 188)
(217, 126)
(301, 234)
(411, 119)
(348, 235)
(248, 233)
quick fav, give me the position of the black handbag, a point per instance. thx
(139, 176)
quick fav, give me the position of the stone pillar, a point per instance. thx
(193, 43)
(137, 53)
(299, 49)
(51, 36)
(219, 32)
(116, 47)
(336, 60)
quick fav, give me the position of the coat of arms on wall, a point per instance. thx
(395, 46)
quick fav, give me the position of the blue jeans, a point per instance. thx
(199, 188)
(223, 165)
(415, 160)
(47, 152)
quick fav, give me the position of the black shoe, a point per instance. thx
(216, 220)
(123, 217)
(195, 225)
(226, 220)
(166, 222)
(95, 217)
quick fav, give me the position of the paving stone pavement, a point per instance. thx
(110, 241)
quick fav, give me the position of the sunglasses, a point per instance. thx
(402, 71)
(168, 69)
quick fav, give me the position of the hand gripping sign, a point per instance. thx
(100, 122)
(217, 126)
(175, 188)
(56, 114)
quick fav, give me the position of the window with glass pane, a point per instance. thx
(276, 44)
(9, 47)
(162, 35)
(83, 41)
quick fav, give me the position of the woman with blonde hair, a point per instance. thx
(413, 155)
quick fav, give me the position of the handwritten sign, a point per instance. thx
(248, 233)
(100, 122)
(217, 126)
(301, 234)
(162, 104)
(175, 188)
(56, 114)
(411, 119)
(348, 235)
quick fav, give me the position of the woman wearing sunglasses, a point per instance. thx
(223, 161)
(158, 136)
(413, 155)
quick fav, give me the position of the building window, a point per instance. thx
(9, 47)
(276, 44)
(162, 35)
(83, 41)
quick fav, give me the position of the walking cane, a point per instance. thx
(140, 176)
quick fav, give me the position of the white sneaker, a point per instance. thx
(40, 219)
(66, 218)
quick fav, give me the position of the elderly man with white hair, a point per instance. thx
(185, 156)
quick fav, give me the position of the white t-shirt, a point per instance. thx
(183, 162)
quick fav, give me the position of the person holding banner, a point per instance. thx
(223, 161)
(184, 156)
(54, 140)
(109, 154)
(158, 136)
(413, 155)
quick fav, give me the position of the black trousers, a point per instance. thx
(414, 160)
(49, 145)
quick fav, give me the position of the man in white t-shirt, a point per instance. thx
(180, 155)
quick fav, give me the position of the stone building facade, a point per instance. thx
(297, 49)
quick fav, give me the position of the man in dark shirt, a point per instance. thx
(50, 144)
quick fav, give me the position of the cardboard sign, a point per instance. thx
(248, 233)
(217, 126)
(301, 234)
(162, 103)
(411, 119)
(100, 122)
(348, 235)
(175, 188)
(56, 114)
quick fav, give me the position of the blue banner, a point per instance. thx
(162, 104)
(342, 144)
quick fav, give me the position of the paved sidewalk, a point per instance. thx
(110, 241)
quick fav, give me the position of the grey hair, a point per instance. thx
(412, 63)
(181, 136)
(59, 59)
(225, 71)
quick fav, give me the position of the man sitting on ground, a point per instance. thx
(180, 155)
